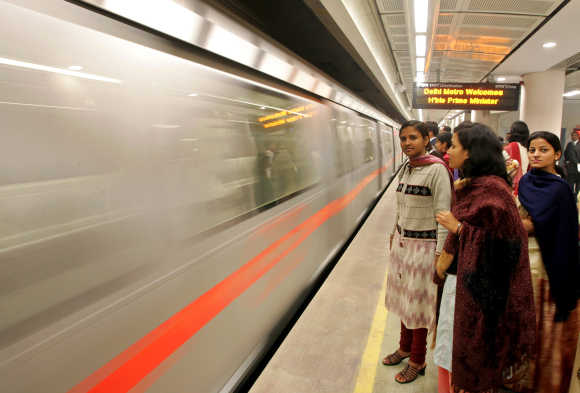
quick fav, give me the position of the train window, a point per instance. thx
(138, 152)
(355, 138)
(387, 147)
(367, 136)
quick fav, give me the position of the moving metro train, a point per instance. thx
(162, 213)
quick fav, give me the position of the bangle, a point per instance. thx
(458, 228)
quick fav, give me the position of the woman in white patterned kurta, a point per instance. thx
(424, 189)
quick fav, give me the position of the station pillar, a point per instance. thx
(542, 101)
(483, 117)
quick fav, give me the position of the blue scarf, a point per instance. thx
(550, 203)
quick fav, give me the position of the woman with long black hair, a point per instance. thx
(550, 216)
(493, 322)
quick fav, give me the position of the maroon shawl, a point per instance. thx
(495, 321)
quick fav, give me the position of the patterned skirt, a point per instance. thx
(411, 293)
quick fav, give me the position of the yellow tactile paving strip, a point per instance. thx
(365, 381)
(338, 343)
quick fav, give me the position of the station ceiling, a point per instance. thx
(369, 45)
(466, 39)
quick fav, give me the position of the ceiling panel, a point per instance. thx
(394, 20)
(485, 31)
(400, 38)
(400, 46)
(516, 6)
(445, 19)
(522, 22)
(398, 30)
(386, 6)
(448, 5)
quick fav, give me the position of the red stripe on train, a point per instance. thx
(131, 366)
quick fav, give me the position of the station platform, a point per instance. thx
(338, 343)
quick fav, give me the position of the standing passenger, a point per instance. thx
(442, 143)
(424, 189)
(517, 149)
(551, 219)
(493, 326)
(433, 130)
(571, 159)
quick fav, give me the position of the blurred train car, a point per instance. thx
(159, 221)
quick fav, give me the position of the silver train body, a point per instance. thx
(160, 217)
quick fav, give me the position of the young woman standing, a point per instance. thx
(424, 189)
(493, 321)
(550, 216)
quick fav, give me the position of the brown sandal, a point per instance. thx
(394, 358)
(410, 373)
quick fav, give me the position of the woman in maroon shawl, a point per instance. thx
(493, 331)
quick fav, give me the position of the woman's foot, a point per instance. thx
(411, 372)
(395, 358)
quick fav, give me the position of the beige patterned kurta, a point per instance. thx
(421, 193)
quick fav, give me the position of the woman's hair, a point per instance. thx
(433, 127)
(462, 125)
(418, 125)
(519, 132)
(553, 140)
(445, 137)
(485, 152)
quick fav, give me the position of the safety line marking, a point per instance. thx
(365, 380)
(130, 367)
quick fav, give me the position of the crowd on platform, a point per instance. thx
(484, 255)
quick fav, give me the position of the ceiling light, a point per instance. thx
(500, 79)
(549, 45)
(75, 68)
(572, 93)
(420, 45)
(421, 8)
(420, 64)
(193, 95)
(262, 107)
(40, 67)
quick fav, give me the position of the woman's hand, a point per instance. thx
(528, 225)
(448, 220)
(441, 268)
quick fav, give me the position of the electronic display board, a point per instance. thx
(440, 95)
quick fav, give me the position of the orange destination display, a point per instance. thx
(439, 95)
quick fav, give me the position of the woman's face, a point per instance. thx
(542, 155)
(413, 143)
(457, 154)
